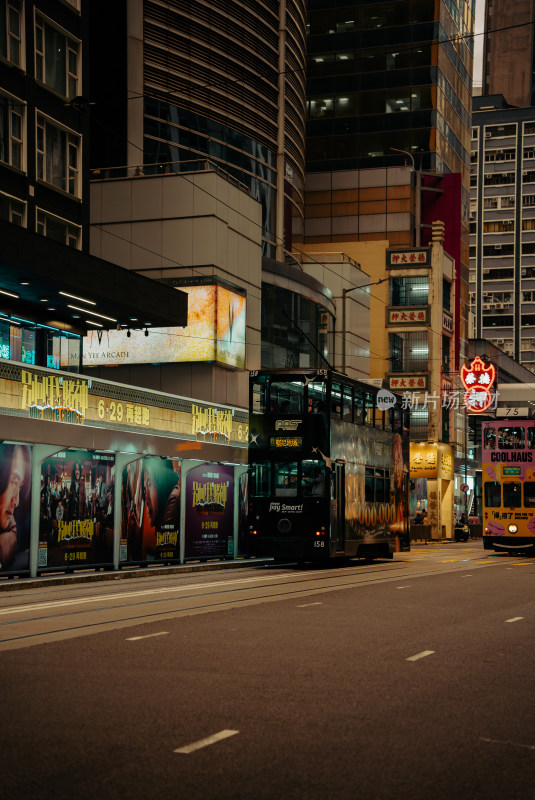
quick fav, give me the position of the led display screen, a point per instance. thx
(215, 332)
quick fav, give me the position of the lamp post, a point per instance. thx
(405, 152)
(345, 292)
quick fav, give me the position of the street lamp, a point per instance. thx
(405, 152)
(345, 292)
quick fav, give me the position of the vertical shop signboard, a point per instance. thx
(150, 510)
(209, 511)
(76, 509)
(15, 513)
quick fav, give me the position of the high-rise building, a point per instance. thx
(502, 240)
(184, 81)
(508, 51)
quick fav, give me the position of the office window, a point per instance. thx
(61, 230)
(408, 351)
(11, 131)
(56, 58)
(12, 210)
(11, 31)
(58, 156)
(413, 291)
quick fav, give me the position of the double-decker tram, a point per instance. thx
(328, 468)
(508, 476)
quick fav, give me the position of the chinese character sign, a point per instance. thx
(478, 381)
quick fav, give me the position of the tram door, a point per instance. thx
(340, 481)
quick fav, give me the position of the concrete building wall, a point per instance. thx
(184, 226)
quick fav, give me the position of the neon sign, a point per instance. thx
(478, 381)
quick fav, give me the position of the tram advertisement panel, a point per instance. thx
(209, 511)
(15, 484)
(150, 510)
(76, 509)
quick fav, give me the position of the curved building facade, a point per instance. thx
(224, 80)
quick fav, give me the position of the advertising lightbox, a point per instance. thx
(215, 332)
(209, 511)
(15, 486)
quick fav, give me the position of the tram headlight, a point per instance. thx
(512, 528)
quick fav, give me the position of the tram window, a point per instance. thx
(336, 399)
(389, 419)
(358, 408)
(380, 418)
(347, 408)
(260, 480)
(313, 478)
(285, 474)
(259, 394)
(382, 486)
(368, 485)
(531, 438)
(493, 494)
(511, 438)
(511, 495)
(317, 397)
(529, 494)
(407, 420)
(489, 438)
(287, 397)
(396, 419)
(370, 408)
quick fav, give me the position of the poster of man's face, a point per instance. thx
(151, 496)
(15, 486)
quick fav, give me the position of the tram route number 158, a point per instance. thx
(319, 543)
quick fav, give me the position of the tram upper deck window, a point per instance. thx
(285, 474)
(347, 404)
(317, 397)
(358, 407)
(531, 438)
(336, 399)
(260, 480)
(512, 495)
(493, 494)
(511, 438)
(529, 494)
(369, 418)
(259, 395)
(287, 397)
(397, 419)
(489, 438)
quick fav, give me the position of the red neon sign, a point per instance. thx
(478, 381)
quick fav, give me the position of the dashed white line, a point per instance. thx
(512, 744)
(403, 587)
(307, 605)
(423, 654)
(514, 619)
(147, 636)
(217, 737)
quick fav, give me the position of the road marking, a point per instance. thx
(423, 654)
(403, 587)
(466, 576)
(512, 744)
(217, 737)
(514, 619)
(148, 636)
(306, 605)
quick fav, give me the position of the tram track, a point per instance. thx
(295, 588)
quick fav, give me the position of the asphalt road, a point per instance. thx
(411, 678)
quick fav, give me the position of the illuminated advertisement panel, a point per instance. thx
(209, 511)
(150, 510)
(76, 509)
(15, 485)
(215, 332)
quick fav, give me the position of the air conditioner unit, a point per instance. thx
(488, 135)
(499, 341)
(486, 306)
(523, 272)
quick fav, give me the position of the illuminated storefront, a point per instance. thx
(109, 475)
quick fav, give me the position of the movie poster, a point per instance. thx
(209, 511)
(15, 491)
(150, 510)
(76, 509)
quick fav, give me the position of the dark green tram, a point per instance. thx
(328, 467)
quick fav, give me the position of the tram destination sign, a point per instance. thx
(286, 441)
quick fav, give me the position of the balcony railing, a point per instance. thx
(162, 169)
